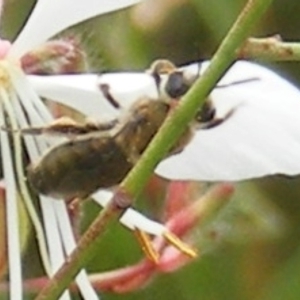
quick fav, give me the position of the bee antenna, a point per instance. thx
(200, 67)
(237, 82)
(105, 89)
(157, 80)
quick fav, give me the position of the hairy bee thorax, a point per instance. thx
(140, 125)
(144, 120)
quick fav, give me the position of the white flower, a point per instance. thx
(261, 137)
(22, 107)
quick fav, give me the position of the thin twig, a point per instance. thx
(271, 48)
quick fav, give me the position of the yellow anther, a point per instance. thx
(179, 244)
(145, 242)
(152, 254)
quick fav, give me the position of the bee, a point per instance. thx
(100, 155)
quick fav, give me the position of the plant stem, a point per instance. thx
(170, 131)
(271, 48)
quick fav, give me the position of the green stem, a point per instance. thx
(160, 145)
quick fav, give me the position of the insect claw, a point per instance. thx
(179, 244)
(146, 245)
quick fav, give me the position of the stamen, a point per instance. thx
(143, 227)
(146, 245)
(179, 244)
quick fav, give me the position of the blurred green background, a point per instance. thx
(258, 256)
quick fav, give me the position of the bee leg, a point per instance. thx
(237, 82)
(108, 96)
(92, 125)
(66, 126)
(152, 254)
(214, 123)
(58, 126)
(217, 121)
(74, 210)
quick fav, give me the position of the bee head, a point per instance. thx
(171, 82)
(178, 83)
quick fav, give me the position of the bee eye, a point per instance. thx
(175, 85)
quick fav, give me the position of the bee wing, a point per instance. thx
(82, 92)
(261, 137)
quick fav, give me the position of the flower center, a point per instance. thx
(5, 77)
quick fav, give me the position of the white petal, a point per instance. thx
(50, 17)
(131, 218)
(69, 243)
(55, 218)
(12, 220)
(261, 138)
(56, 253)
(82, 92)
